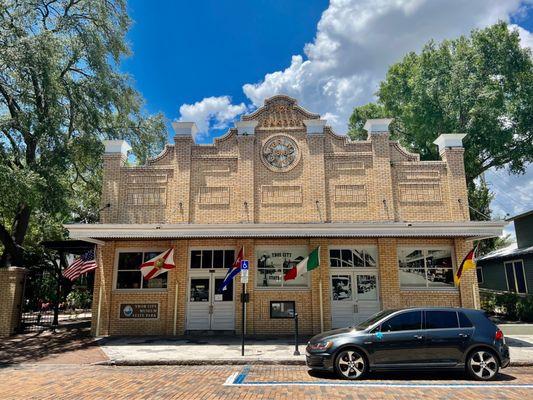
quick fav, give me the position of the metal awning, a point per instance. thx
(68, 246)
(466, 229)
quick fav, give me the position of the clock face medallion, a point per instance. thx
(280, 153)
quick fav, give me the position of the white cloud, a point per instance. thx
(526, 37)
(211, 112)
(513, 194)
(356, 42)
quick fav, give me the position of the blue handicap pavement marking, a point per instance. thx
(238, 379)
(244, 264)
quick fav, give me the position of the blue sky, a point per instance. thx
(209, 61)
(185, 51)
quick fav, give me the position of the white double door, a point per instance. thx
(208, 307)
(354, 296)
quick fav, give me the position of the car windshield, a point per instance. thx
(373, 319)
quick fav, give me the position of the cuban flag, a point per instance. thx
(233, 270)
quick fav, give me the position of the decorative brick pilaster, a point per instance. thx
(468, 287)
(11, 290)
(382, 176)
(389, 278)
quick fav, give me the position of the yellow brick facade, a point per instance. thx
(332, 180)
(11, 288)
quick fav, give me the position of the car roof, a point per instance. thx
(436, 309)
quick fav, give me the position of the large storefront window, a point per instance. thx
(426, 268)
(212, 259)
(364, 257)
(273, 263)
(129, 275)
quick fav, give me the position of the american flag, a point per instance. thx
(80, 265)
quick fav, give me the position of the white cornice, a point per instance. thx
(467, 229)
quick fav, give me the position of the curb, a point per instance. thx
(236, 361)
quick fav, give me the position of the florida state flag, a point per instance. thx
(468, 263)
(158, 265)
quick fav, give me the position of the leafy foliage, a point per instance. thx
(480, 85)
(509, 305)
(61, 93)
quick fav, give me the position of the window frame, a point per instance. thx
(350, 247)
(135, 250)
(425, 249)
(425, 324)
(480, 270)
(212, 249)
(512, 262)
(422, 322)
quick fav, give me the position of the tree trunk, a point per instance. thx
(13, 242)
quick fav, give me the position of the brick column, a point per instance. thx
(378, 134)
(178, 278)
(321, 274)
(452, 153)
(468, 287)
(389, 276)
(11, 288)
(115, 156)
(317, 181)
(245, 195)
(103, 283)
(182, 179)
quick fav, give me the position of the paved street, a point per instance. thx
(46, 381)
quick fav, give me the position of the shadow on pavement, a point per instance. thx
(413, 376)
(33, 347)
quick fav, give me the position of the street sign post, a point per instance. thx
(244, 281)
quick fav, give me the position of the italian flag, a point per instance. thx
(309, 263)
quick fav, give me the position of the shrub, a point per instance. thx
(79, 299)
(524, 308)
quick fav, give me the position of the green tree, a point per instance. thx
(61, 93)
(481, 85)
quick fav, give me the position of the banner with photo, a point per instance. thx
(273, 262)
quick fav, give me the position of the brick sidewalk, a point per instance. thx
(208, 382)
(70, 344)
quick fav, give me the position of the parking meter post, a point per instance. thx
(243, 301)
(296, 351)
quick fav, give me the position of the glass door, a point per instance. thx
(210, 308)
(367, 299)
(354, 298)
(199, 305)
(223, 307)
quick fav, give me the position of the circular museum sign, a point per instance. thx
(280, 153)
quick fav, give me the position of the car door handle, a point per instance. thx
(463, 335)
(418, 337)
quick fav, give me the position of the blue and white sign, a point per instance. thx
(244, 264)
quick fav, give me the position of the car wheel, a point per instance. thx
(350, 364)
(482, 365)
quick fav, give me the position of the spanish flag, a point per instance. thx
(468, 263)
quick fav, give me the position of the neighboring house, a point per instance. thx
(392, 229)
(511, 268)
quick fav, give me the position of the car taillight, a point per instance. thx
(499, 335)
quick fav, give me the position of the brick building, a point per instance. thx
(392, 229)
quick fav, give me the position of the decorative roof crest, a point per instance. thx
(280, 111)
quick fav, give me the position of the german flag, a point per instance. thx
(468, 263)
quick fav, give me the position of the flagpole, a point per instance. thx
(176, 308)
(321, 306)
(97, 333)
(243, 316)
